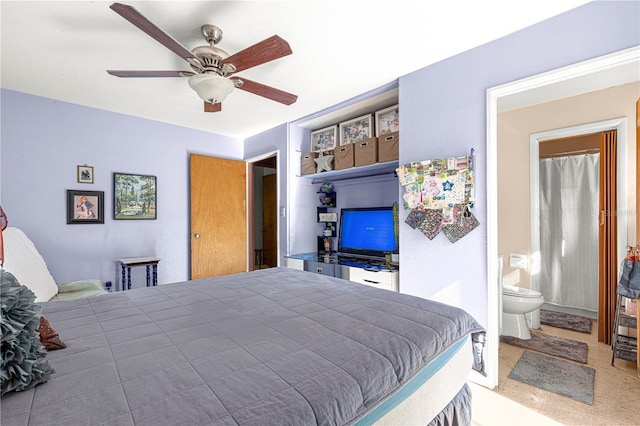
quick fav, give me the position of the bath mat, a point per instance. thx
(551, 345)
(555, 375)
(567, 321)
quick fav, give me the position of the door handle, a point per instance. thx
(196, 236)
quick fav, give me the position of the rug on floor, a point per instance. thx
(551, 345)
(567, 321)
(555, 375)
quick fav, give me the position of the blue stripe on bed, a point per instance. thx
(413, 385)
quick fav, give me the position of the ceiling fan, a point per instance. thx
(213, 76)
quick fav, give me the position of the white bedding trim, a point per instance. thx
(426, 402)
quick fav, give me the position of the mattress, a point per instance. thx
(274, 346)
(428, 392)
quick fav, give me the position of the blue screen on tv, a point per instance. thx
(367, 231)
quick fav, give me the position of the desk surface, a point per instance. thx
(139, 260)
(342, 259)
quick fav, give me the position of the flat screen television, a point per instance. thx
(366, 231)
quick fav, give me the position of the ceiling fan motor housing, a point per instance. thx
(210, 58)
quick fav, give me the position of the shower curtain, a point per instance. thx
(569, 188)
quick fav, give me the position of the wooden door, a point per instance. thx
(607, 237)
(269, 220)
(218, 216)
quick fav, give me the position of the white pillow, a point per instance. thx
(23, 260)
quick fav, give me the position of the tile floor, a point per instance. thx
(616, 392)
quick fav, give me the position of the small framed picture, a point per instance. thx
(134, 196)
(85, 206)
(356, 129)
(327, 217)
(85, 174)
(324, 139)
(387, 121)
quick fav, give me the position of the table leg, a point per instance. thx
(155, 275)
(128, 277)
(148, 276)
(122, 281)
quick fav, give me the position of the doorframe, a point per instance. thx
(250, 198)
(618, 124)
(572, 74)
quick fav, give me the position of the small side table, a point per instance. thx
(128, 263)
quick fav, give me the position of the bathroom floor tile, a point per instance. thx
(616, 389)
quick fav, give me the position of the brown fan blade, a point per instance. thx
(140, 74)
(209, 107)
(267, 50)
(136, 18)
(267, 91)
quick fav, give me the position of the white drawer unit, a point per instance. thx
(294, 263)
(387, 280)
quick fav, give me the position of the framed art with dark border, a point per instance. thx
(324, 139)
(85, 174)
(85, 206)
(134, 197)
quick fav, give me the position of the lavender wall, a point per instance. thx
(443, 113)
(43, 141)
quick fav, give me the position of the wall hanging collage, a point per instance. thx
(440, 194)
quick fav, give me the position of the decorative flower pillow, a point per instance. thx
(23, 356)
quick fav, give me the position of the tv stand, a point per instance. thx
(368, 271)
(365, 262)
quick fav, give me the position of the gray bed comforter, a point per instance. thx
(276, 346)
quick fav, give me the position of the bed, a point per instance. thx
(270, 347)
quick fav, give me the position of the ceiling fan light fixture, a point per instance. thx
(211, 88)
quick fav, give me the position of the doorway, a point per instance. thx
(606, 71)
(569, 198)
(223, 234)
(218, 216)
(263, 220)
(615, 242)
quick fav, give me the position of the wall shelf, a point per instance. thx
(355, 172)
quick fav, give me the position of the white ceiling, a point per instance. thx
(341, 49)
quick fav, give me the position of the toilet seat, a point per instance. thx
(511, 290)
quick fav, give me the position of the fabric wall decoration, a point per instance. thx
(439, 193)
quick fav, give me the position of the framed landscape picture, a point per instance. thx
(134, 197)
(85, 206)
(356, 129)
(324, 139)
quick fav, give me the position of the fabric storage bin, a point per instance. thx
(388, 147)
(366, 152)
(308, 163)
(344, 158)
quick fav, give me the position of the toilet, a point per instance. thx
(516, 302)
